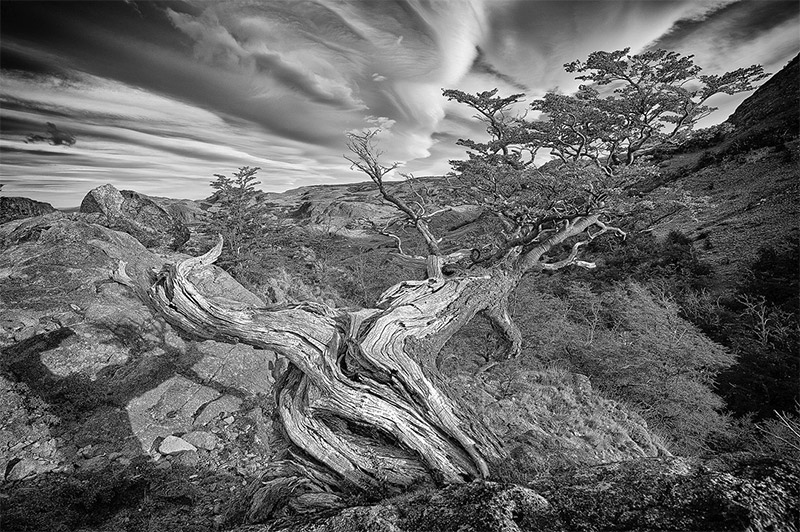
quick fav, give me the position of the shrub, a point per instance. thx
(633, 344)
(240, 218)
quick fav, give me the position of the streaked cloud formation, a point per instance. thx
(161, 95)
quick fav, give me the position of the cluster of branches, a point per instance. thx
(631, 106)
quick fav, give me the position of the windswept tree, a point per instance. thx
(658, 96)
(630, 106)
(362, 402)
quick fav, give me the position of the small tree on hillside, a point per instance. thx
(362, 402)
(237, 216)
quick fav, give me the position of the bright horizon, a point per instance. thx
(162, 95)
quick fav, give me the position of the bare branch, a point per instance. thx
(436, 213)
(385, 232)
(366, 160)
(572, 259)
(604, 228)
(571, 228)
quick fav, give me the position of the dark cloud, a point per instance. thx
(38, 153)
(738, 23)
(101, 38)
(293, 78)
(482, 66)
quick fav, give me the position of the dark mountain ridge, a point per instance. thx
(772, 110)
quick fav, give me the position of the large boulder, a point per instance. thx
(137, 215)
(186, 211)
(16, 208)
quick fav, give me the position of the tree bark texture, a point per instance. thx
(361, 402)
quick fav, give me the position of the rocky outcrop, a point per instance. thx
(731, 493)
(16, 208)
(136, 215)
(186, 211)
(644, 495)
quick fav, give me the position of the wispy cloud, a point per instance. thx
(161, 95)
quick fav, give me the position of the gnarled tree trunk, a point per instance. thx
(361, 401)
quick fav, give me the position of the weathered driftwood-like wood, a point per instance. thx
(362, 403)
(360, 396)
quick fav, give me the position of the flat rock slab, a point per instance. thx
(201, 439)
(236, 366)
(175, 445)
(220, 408)
(169, 408)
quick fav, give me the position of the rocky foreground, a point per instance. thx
(110, 419)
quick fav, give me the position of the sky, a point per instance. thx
(160, 96)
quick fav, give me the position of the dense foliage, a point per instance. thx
(238, 217)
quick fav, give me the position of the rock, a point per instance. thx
(175, 445)
(474, 507)
(137, 215)
(16, 208)
(186, 211)
(168, 408)
(748, 493)
(239, 366)
(124, 373)
(86, 451)
(215, 282)
(214, 410)
(739, 493)
(187, 459)
(772, 108)
(201, 439)
(537, 441)
(96, 463)
(26, 468)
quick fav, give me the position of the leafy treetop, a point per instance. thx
(237, 216)
(658, 97)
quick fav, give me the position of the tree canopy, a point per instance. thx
(238, 217)
(630, 105)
